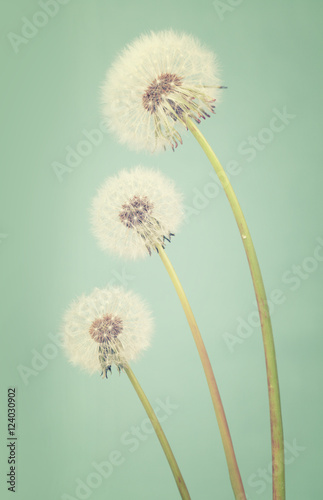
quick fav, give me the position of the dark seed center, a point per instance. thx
(106, 328)
(136, 211)
(161, 86)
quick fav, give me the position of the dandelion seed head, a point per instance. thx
(135, 211)
(111, 326)
(154, 85)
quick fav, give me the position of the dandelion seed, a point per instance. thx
(136, 211)
(110, 326)
(157, 82)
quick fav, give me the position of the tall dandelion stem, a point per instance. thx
(277, 441)
(234, 473)
(160, 434)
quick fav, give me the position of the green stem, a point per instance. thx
(277, 440)
(234, 473)
(160, 434)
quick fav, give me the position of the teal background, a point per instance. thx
(270, 54)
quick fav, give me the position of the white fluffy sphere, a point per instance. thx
(154, 85)
(109, 326)
(135, 211)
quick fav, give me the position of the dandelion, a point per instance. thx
(156, 83)
(109, 327)
(136, 211)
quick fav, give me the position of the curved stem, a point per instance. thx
(277, 440)
(234, 473)
(160, 434)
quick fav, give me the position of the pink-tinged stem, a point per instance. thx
(234, 472)
(277, 439)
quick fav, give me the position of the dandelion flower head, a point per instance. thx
(110, 326)
(154, 85)
(135, 211)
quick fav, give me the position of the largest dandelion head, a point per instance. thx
(159, 81)
(110, 326)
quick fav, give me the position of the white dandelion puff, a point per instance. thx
(110, 326)
(136, 211)
(154, 85)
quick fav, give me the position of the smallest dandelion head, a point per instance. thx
(109, 327)
(135, 212)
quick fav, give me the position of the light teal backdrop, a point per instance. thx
(270, 53)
